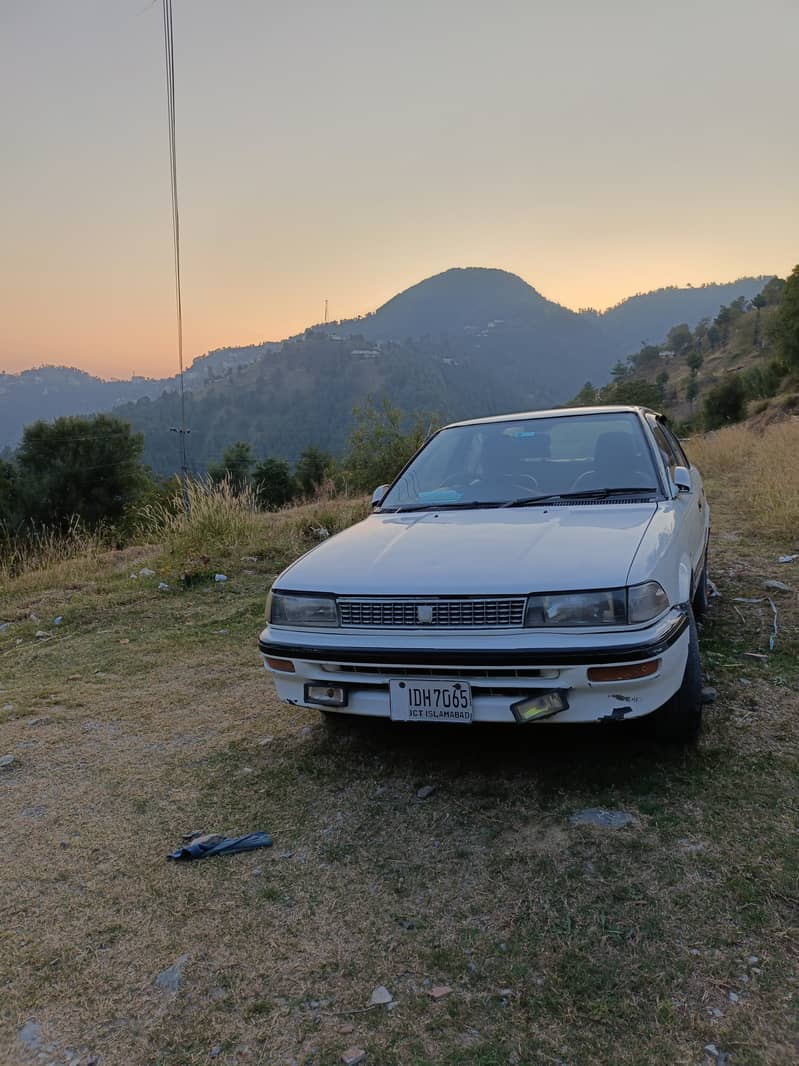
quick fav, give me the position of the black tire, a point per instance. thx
(700, 600)
(679, 720)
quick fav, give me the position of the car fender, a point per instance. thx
(664, 554)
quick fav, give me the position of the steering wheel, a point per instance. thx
(525, 482)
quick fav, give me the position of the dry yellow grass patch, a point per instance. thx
(758, 471)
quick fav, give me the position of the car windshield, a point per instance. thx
(491, 464)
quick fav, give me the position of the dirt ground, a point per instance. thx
(145, 715)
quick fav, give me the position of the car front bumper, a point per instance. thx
(501, 668)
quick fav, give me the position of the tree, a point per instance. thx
(694, 361)
(87, 467)
(620, 370)
(379, 447)
(661, 381)
(692, 389)
(273, 484)
(237, 460)
(585, 397)
(9, 496)
(725, 403)
(772, 291)
(311, 470)
(642, 393)
(679, 338)
(786, 328)
(758, 302)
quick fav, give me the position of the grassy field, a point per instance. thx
(146, 714)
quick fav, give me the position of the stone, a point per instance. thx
(306, 731)
(709, 695)
(58, 620)
(7, 762)
(31, 1035)
(8, 706)
(439, 992)
(788, 558)
(425, 792)
(753, 960)
(777, 586)
(599, 816)
(691, 845)
(733, 997)
(219, 578)
(346, 1029)
(215, 1051)
(721, 1058)
(352, 1056)
(41, 634)
(146, 572)
(168, 980)
(163, 587)
(380, 996)
(4, 626)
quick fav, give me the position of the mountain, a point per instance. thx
(462, 343)
(647, 317)
(48, 392)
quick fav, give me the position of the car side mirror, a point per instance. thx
(378, 494)
(682, 479)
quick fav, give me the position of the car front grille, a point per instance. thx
(504, 613)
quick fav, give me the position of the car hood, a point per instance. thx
(477, 552)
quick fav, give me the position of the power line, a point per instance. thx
(169, 54)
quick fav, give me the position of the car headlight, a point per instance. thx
(290, 609)
(602, 607)
(646, 601)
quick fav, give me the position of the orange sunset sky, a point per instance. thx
(346, 151)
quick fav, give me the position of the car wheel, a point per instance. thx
(679, 720)
(700, 600)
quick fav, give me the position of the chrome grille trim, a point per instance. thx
(505, 612)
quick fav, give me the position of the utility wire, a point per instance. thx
(169, 54)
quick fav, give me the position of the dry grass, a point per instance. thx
(146, 715)
(761, 472)
(37, 550)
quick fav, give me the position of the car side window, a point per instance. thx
(682, 458)
(668, 454)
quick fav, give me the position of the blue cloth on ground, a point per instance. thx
(214, 844)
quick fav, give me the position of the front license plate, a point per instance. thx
(430, 701)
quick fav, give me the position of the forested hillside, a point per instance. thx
(741, 363)
(463, 343)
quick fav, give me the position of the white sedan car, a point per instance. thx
(532, 568)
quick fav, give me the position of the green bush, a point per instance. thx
(725, 403)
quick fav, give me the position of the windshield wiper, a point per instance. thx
(461, 505)
(589, 494)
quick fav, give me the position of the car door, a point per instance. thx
(691, 506)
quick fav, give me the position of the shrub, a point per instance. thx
(725, 403)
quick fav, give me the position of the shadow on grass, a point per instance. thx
(583, 759)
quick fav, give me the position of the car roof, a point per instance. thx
(558, 412)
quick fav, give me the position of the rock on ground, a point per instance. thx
(602, 817)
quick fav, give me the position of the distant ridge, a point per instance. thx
(463, 342)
